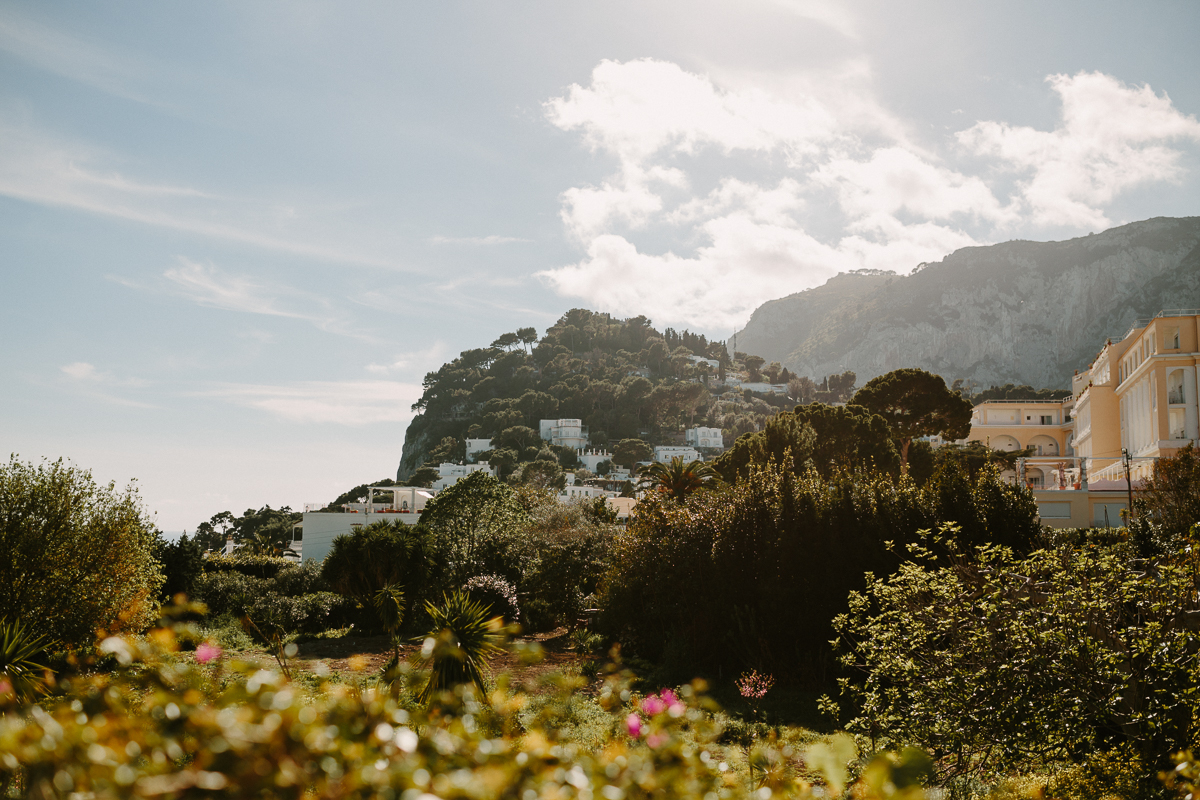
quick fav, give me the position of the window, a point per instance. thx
(1171, 339)
(1047, 419)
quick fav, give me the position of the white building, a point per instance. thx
(712, 362)
(477, 446)
(592, 458)
(664, 453)
(403, 503)
(450, 474)
(564, 433)
(704, 437)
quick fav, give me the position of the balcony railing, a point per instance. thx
(1175, 397)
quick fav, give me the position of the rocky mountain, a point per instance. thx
(1021, 312)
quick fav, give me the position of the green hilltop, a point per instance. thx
(622, 377)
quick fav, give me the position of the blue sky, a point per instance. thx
(235, 236)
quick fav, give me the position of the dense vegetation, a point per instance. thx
(622, 378)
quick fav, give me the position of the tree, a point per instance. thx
(528, 336)
(629, 452)
(475, 521)
(75, 557)
(381, 555)
(753, 365)
(915, 403)
(181, 562)
(424, 477)
(677, 480)
(1172, 495)
(543, 474)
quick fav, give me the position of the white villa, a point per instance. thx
(664, 453)
(565, 432)
(404, 503)
(704, 437)
(450, 474)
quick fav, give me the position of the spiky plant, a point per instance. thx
(458, 644)
(19, 649)
(677, 479)
(390, 607)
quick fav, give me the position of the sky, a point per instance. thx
(234, 237)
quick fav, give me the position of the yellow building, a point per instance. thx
(1138, 396)
(1042, 426)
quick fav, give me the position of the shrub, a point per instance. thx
(495, 594)
(257, 566)
(377, 555)
(1001, 662)
(75, 557)
(230, 591)
(564, 551)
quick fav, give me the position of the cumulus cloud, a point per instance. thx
(882, 201)
(342, 402)
(1111, 137)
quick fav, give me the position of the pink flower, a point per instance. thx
(653, 705)
(5, 686)
(207, 652)
(633, 724)
(655, 740)
(754, 686)
(674, 705)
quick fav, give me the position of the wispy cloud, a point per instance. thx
(37, 167)
(353, 403)
(212, 287)
(72, 57)
(84, 377)
(477, 240)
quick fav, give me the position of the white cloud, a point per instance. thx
(843, 166)
(80, 371)
(341, 402)
(1112, 137)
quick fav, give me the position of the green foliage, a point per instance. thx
(751, 575)
(1172, 495)
(564, 550)
(1010, 392)
(21, 673)
(75, 557)
(257, 566)
(827, 438)
(424, 477)
(181, 562)
(1000, 662)
(462, 637)
(496, 595)
(162, 726)
(628, 452)
(266, 531)
(916, 403)
(542, 474)
(474, 523)
(379, 555)
(677, 480)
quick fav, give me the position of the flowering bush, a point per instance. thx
(165, 726)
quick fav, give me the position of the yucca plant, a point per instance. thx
(389, 605)
(458, 644)
(19, 649)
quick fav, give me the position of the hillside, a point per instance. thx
(622, 377)
(1018, 312)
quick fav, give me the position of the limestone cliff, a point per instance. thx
(1021, 312)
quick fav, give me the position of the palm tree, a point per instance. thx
(677, 480)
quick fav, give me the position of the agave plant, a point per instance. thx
(677, 479)
(19, 647)
(458, 644)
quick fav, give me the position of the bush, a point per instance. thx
(495, 594)
(752, 575)
(257, 566)
(1002, 662)
(182, 562)
(564, 551)
(230, 591)
(75, 557)
(381, 554)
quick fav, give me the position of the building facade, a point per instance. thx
(704, 437)
(564, 433)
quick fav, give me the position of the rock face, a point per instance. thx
(1020, 312)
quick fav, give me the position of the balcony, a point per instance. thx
(1175, 397)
